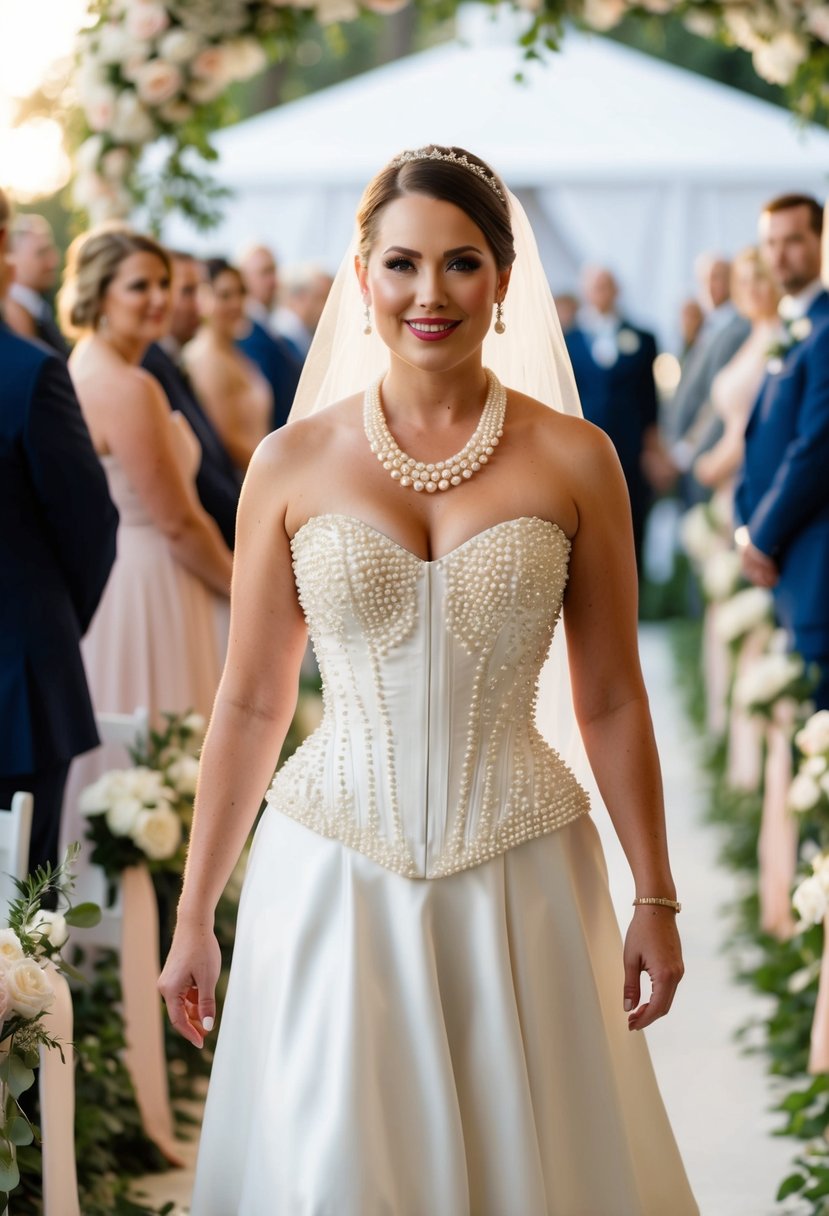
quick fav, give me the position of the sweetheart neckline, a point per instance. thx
(430, 561)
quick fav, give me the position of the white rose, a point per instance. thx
(89, 77)
(195, 724)
(211, 64)
(5, 999)
(132, 124)
(87, 157)
(804, 793)
(179, 46)
(331, 11)
(144, 783)
(157, 833)
(817, 22)
(603, 14)
(95, 798)
(29, 989)
(704, 25)
(184, 773)
(766, 678)
(158, 81)
(146, 19)
(740, 23)
(114, 44)
(813, 739)
(11, 950)
(778, 60)
(246, 58)
(810, 901)
(137, 59)
(99, 107)
(700, 540)
(122, 815)
(51, 925)
(743, 612)
(815, 766)
(800, 329)
(721, 574)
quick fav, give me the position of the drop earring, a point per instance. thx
(367, 326)
(499, 318)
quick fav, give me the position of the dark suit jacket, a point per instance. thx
(57, 545)
(278, 365)
(783, 491)
(621, 399)
(217, 482)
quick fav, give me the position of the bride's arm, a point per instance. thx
(252, 712)
(612, 709)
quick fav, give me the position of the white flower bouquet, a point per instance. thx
(744, 612)
(34, 936)
(704, 534)
(777, 675)
(141, 814)
(811, 896)
(720, 575)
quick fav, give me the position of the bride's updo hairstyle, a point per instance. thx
(473, 187)
(91, 264)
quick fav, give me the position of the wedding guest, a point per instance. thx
(217, 481)
(613, 364)
(721, 335)
(691, 318)
(36, 260)
(153, 639)
(782, 497)
(567, 306)
(303, 290)
(235, 394)
(735, 387)
(257, 338)
(57, 545)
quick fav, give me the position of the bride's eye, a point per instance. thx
(398, 263)
(465, 265)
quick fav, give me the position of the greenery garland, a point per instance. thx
(150, 70)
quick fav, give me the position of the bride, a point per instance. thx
(429, 1003)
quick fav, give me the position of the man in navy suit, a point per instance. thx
(271, 354)
(613, 365)
(782, 499)
(57, 545)
(218, 483)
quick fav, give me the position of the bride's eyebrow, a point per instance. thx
(449, 253)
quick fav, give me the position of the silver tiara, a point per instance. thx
(451, 158)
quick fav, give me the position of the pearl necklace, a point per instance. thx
(440, 474)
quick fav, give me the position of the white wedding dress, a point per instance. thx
(424, 1015)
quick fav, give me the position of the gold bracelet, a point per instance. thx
(658, 899)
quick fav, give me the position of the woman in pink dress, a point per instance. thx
(152, 642)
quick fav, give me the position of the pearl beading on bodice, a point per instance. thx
(428, 759)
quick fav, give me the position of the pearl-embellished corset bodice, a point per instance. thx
(428, 759)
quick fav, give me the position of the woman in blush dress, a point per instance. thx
(152, 641)
(232, 389)
(429, 1008)
(734, 389)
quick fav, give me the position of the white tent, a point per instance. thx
(619, 159)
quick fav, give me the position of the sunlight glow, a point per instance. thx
(33, 34)
(33, 162)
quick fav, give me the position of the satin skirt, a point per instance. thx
(447, 1047)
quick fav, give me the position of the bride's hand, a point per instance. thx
(188, 980)
(652, 945)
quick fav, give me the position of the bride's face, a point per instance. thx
(431, 281)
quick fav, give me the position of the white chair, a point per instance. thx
(15, 831)
(56, 1076)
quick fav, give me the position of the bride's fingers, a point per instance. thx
(661, 999)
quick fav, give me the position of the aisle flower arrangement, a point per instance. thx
(160, 69)
(34, 936)
(142, 814)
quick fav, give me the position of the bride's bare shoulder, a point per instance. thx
(528, 412)
(306, 439)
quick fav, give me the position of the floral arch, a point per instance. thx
(151, 70)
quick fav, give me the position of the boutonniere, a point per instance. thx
(796, 331)
(627, 342)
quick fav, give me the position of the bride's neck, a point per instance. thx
(425, 399)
